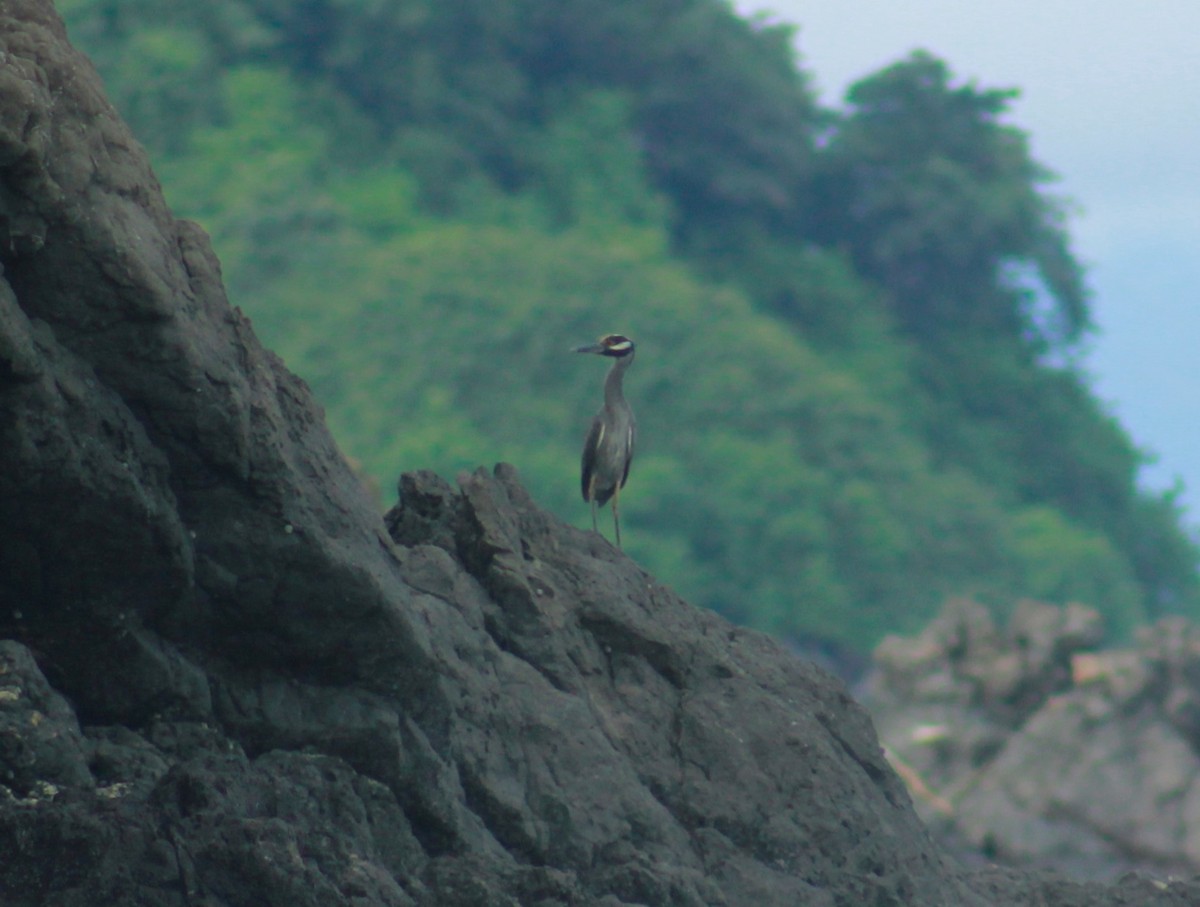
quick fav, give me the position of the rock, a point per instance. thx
(41, 745)
(1096, 794)
(964, 659)
(257, 691)
(1040, 751)
(947, 701)
(641, 743)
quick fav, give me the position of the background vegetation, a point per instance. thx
(858, 330)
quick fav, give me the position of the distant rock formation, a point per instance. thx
(1041, 750)
(225, 681)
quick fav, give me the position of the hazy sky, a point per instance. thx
(1110, 95)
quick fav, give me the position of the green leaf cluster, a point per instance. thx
(855, 385)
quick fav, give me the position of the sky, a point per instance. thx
(1110, 97)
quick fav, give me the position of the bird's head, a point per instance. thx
(615, 345)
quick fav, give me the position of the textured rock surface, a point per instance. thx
(227, 682)
(1040, 750)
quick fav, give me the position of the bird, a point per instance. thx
(608, 449)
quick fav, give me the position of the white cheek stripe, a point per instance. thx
(623, 345)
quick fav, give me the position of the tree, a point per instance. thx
(848, 411)
(940, 202)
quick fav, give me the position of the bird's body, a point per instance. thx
(608, 449)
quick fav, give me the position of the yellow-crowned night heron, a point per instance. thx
(608, 450)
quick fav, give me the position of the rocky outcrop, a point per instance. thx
(226, 680)
(1037, 748)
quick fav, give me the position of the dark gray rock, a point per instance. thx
(41, 746)
(286, 699)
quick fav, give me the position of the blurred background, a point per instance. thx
(883, 358)
(1103, 90)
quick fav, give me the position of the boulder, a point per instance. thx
(254, 689)
(1034, 747)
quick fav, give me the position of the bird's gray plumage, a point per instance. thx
(608, 449)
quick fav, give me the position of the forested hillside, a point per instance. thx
(857, 385)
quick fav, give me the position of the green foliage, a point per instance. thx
(939, 203)
(591, 173)
(811, 493)
(161, 62)
(239, 177)
(939, 200)
(845, 386)
(1064, 563)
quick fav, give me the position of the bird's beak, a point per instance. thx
(590, 348)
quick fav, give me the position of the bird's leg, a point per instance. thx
(595, 528)
(616, 519)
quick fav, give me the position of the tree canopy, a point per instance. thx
(858, 328)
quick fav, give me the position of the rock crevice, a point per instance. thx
(226, 680)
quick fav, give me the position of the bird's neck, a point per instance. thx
(612, 384)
